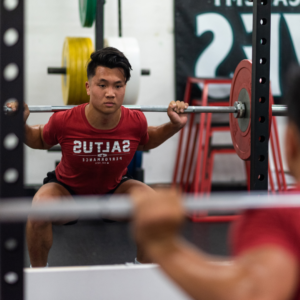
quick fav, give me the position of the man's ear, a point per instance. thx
(87, 86)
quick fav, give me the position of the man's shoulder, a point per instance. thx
(133, 114)
(285, 213)
(72, 113)
(65, 119)
(261, 226)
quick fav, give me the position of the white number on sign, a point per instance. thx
(274, 69)
(216, 52)
(221, 45)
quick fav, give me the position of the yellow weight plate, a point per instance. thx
(78, 78)
(84, 97)
(76, 54)
(88, 48)
(69, 62)
(65, 81)
(72, 72)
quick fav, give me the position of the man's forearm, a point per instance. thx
(33, 137)
(158, 135)
(198, 274)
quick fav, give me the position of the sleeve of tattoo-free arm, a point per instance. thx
(52, 132)
(143, 128)
(278, 227)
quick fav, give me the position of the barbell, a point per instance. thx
(238, 109)
(18, 210)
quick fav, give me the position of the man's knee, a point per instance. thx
(142, 187)
(130, 185)
(38, 225)
(48, 192)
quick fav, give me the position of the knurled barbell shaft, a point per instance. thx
(277, 110)
(158, 108)
(16, 210)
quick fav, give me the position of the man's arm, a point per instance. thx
(34, 137)
(267, 273)
(263, 273)
(158, 135)
(33, 134)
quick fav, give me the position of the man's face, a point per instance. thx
(107, 89)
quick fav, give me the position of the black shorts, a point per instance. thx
(51, 177)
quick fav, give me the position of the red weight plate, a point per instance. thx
(241, 139)
(240, 129)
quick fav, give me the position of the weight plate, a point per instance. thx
(84, 54)
(88, 48)
(241, 88)
(78, 75)
(240, 129)
(76, 54)
(87, 11)
(68, 61)
(130, 47)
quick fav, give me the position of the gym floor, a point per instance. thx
(107, 243)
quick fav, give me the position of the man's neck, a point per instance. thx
(102, 121)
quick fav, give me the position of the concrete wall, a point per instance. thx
(48, 22)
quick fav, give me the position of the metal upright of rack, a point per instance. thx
(260, 94)
(99, 25)
(11, 139)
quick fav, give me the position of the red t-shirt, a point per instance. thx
(94, 161)
(278, 227)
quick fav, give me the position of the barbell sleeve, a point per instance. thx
(59, 71)
(145, 72)
(279, 110)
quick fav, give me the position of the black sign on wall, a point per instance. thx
(213, 36)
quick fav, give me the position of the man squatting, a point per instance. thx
(98, 140)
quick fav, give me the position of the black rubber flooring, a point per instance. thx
(103, 243)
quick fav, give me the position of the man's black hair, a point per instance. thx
(111, 58)
(292, 97)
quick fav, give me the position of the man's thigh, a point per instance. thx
(54, 192)
(127, 186)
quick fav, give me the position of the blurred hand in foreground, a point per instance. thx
(157, 218)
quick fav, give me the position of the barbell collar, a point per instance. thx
(240, 109)
(18, 210)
